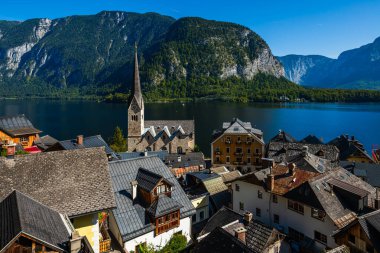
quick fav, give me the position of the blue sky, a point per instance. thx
(325, 27)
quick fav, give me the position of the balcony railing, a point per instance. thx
(105, 246)
(228, 141)
(239, 153)
(218, 152)
(238, 142)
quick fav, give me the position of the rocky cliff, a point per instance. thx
(78, 51)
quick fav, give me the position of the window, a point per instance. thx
(217, 149)
(258, 212)
(320, 237)
(218, 159)
(276, 218)
(179, 150)
(241, 205)
(249, 160)
(228, 150)
(295, 206)
(227, 159)
(238, 139)
(239, 150)
(351, 238)
(202, 215)
(248, 150)
(257, 151)
(257, 160)
(259, 194)
(194, 218)
(239, 159)
(24, 139)
(274, 199)
(298, 236)
(318, 214)
(228, 140)
(237, 187)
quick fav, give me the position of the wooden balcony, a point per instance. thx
(105, 246)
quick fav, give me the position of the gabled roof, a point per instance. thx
(282, 136)
(131, 155)
(162, 206)
(88, 142)
(131, 216)
(19, 214)
(259, 236)
(310, 162)
(349, 146)
(370, 224)
(222, 217)
(336, 207)
(236, 126)
(282, 151)
(218, 241)
(74, 182)
(17, 126)
(369, 171)
(45, 142)
(188, 126)
(185, 160)
(311, 139)
(148, 180)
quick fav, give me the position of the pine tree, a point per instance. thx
(118, 142)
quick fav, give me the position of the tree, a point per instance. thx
(118, 142)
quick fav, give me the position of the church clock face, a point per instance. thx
(134, 107)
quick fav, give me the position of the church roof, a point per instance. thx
(136, 89)
(184, 126)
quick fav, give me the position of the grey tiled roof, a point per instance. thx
(370, 224)
(335, 207)
(283, 136)
(348, 146)
(17, 125)
(74, 182)
(148, 180)
(221, 218)
(131, 155)
(236, 126)
(259, 236)
(88, 142)
(186, 160)
(311, 139)
(372, 171)
(131, 217)
(45, 142)
(218, 241)
(21, 214)
(163, 205)
(187, 125)
(281, 151)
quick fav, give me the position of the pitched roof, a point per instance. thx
(73, 182)
(188, 126)
(131, 217)
(311, 139)
(336, 207)
(21, 214)
(45, 142)
(259, 236)
(88, 142)
(17, 125)
(282, 136)
(131, 155)
(148, 180)
(236, 126)
(282, 151)
(222, 217)
(369, 171)
(348, 147)
(185, 160)
(163, 205)
(220, 240)
(136, 88)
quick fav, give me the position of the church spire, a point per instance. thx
(136, 80)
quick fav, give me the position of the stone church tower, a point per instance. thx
(135, 110)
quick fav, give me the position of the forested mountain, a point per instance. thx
(96, 51)
(354, 69)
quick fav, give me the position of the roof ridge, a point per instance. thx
(135, 158)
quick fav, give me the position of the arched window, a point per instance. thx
(179, 150)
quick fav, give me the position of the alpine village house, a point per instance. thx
(175, 136)
(238, 146)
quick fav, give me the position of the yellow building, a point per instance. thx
(238, 146)
(351, 149)
(18, 129)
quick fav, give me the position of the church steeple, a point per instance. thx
(136, 92)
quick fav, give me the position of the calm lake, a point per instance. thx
(66, 119)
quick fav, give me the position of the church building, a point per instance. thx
(175, 136)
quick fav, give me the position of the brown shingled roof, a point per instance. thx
(74, 182)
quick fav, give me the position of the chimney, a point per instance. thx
(75, 242)
(134, 189)
(80, 139)
(377, 199)
(270, 182)
(292, 169)
(248, 216)
(146, 153)
(240, 234)
(305, 150)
